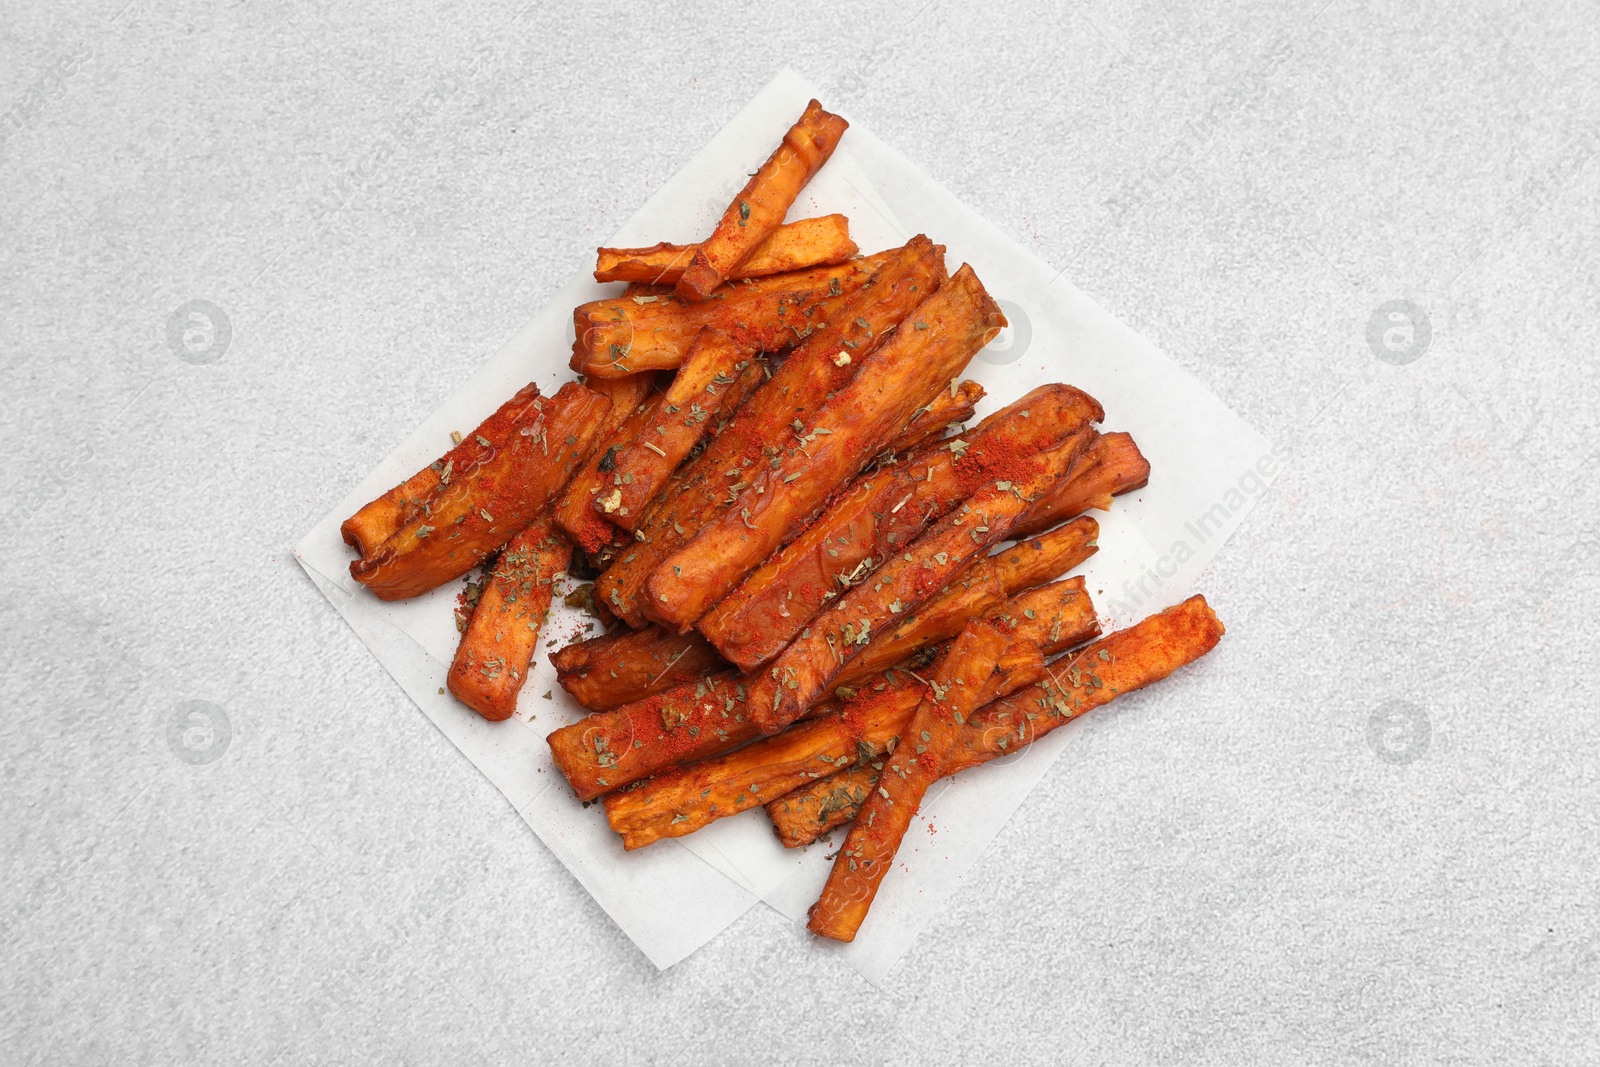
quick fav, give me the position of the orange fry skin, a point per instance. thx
(943, 413)
(379, 520)
(759, 208)
(699, 491)
(803, 671)
(878, 513)
(797, 245)
(1116, 466)
(633, 399)
(483, 508)
(691, 797)
(619, 668)
(986, 585)
(822, 454)
(716, 376)
(1144, 653)
(491, 662)
(627, 334)
(914, 765)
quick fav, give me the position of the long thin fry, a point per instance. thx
(793, 246)
(827, 450)
(1135, 657)
(700, 490)
(715, 378)
(943, 413)
(491, 662)
(482, 509)
(877, 514)
(614, 669)
(1116, 467)
(914, 765)
(685, 800)
(803, 671)
(759, 208)
(628, 334)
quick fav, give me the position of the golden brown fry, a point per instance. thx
(482, 508)
(378, 521)
(808, 667)
(491, 662)
(880, 512)
(715, 378)
(573, 510)
(793, 246)
(800, 385)
(614, 669)
(693, 796)
(629, 334)
(916, 764)
(823, 453)
(1144, 653)
(759, 208)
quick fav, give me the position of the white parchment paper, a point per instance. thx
(1208, 469)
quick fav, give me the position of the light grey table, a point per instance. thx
(1364, 832)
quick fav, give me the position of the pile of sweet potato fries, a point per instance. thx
(794, 536)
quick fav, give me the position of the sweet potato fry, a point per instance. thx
(886, 815)
(800, 385)
(628, 334)
(613, 669)
(849, 430)
(793, 246)
(639, 396)
(484, 507)
(941, 414)
(759, 208)
(685, 800)
(1116, 467)
(878, 513)
(491, 662)
(378, 521)
(1137, 656)
(803, 671)
(707, 716)
(986, 585)
(715, 378)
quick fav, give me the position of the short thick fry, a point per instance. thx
(483, 508)
(716, 377)
(491, 662)
(758, 210)
(633, 399)
(629, 334)
(793, 246)
(619, 668)
(378, 521)
(911, 768)
(877, 514)
(1137, 656)
(799, 386)
(694, 796)
(807, 668)
(825, 452)
(609, 749)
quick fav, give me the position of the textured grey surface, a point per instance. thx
(376, 199)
